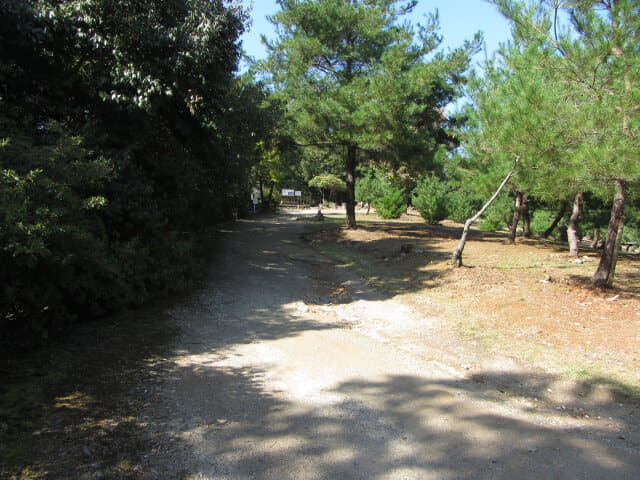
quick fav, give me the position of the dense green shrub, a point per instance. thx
(460, 204)
(369, 189)
(55, 251)
(115, 154)
(391, 204)
(541, 220)
(631, 234)
(429, 198)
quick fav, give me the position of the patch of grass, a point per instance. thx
(529, 353)
(580, 373)
(595, 375)
(342, 253)
(328, 224)
(373, 272)
(471, 329)
(616, 385)
(338, 252)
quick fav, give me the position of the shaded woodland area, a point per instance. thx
(124, 132)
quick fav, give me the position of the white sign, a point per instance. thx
(288, 193)
(298, 193)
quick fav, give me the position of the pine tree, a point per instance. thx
(519, 111)
(355, 80)
(595, 63)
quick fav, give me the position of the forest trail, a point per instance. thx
(287, 366)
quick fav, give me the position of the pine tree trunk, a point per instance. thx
(456, 260)
(526, 218)
(606, 268)
(556, 220)
(351, 187)
(516, 218)
(596, 237)
(616, 251)
(604, 271)
(572, 229)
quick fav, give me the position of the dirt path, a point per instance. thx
(289, 367)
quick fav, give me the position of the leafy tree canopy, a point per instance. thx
(123, 133)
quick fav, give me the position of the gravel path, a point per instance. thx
(289, 367)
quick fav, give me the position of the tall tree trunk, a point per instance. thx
(616, 251)
(456, 260)
(596, 237)
(572, 229)
(556, 220)
(270, 196)
(526, 218)
(516, 218)
(607, 266)
(604, 271)
(351, 187)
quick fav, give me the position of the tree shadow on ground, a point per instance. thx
(88, 386)
(419, 229)
(486, 425)
(97, 379)
(626, 284)
(112, 375)
(401, 427)
(411, 274)
(96, 383)
(285, 249)
(394, 260)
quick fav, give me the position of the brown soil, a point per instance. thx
(530, 300)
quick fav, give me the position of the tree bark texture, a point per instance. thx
(572, 229)
(526, 218)
(616, 251)
(604, 271)
(596, 237)
(351, 187)
(556, 220)
(516, 217)
(456, 260)
(606, 268)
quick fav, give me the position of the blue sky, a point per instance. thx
(459, 20)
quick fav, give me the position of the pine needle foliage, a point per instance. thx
(564, 98)
(355, 76)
